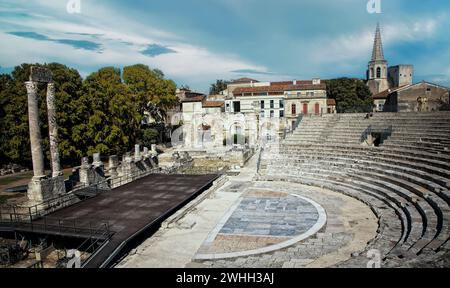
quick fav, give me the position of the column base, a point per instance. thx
(42, 189)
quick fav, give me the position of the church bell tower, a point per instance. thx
(378, 67)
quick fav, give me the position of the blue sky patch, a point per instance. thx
(80, 44)
(154, 50)
(30, 35)
(6, 70)
(77, 44)
(223, 39)
(252, 71)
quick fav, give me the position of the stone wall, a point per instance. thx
(422, 97)
(209, 162)
(40, 190)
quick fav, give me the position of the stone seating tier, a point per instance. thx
(405, 181)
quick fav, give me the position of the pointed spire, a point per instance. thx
(377, 53)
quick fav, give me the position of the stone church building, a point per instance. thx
(393, 89)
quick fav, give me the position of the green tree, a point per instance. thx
(150, 136)
(112, 123)
(14, 130)
(149, 86)
(102, 114)
(218, 87)
(68, 90)
(351, 95)
(14, 136)
(5, 82)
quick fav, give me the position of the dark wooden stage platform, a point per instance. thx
(134, 208)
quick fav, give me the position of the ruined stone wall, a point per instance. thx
(210, 163)
(432, 98)
(204, 162)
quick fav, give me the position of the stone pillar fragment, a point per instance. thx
(113, 165)
(145, 152)
(137, 152)
(53, 130)
(35, 131)
(127, 166)
(97, 162)
(84, 171)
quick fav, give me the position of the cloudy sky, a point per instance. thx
(195, 42)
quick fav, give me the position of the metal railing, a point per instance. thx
(85, 191)
(95, 245)
(128, 178)
(51, 225)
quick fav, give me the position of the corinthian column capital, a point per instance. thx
(51, 89)
(31, 87)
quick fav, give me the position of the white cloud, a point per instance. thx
(414, 31)
(123, 37)
(350, 46)
(189, 61)
(122, 40)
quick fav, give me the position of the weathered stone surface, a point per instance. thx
(97, 162)
(40, 190)
(113, 166)
(137, 153)
(35, 131)
(53, 131)
(40, 74)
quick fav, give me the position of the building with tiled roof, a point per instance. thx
(213, 104)
(197, 98)
(286, 100)
(331, 106)
(379, 99)
(393, 89)
(276, 89)
(420, 97)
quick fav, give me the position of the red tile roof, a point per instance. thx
(384, 94)
(299, 82)
(194, 99)
(279, 88)
(213, 104)
(331, 102)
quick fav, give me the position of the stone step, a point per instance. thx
(391, 226)
(430, 148)
(356, 153)
(427, 180)
(407, 161)
(359, 147)
(415, 214)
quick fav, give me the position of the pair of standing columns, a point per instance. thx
(37, 153)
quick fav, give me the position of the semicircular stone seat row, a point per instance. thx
(405, 180)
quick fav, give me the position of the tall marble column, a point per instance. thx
(35, 131)
(53, 130)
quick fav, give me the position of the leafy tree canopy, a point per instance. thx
(351, 95)
(218, 87)
(102, 114)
